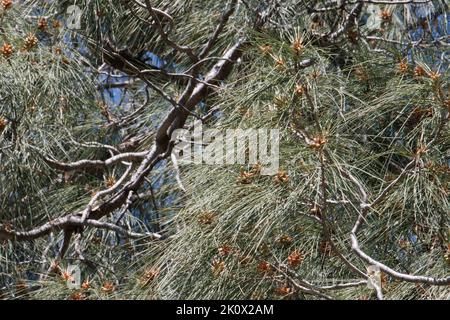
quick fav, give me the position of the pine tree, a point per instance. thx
(91, 95)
